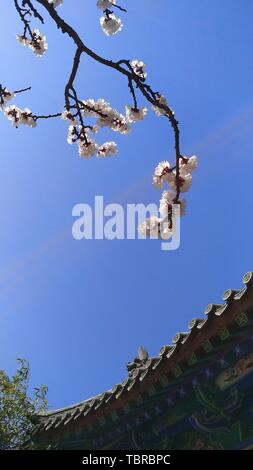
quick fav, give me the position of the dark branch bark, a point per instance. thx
(46, 116)
(72, 77)
(22, 90)
(118, 6)
(34, 11)
(23, 12)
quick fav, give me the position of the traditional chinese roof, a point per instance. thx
(144, 373)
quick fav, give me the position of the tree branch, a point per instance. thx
(119, 7)
(34, 11)
(145, 89)
(46, 116)
(23, 12)
(72, 77)
(22, 90)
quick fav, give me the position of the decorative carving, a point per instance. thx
(138, 361)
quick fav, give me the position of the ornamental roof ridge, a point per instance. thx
(143, 365)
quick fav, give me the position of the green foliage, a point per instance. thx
(18, 407)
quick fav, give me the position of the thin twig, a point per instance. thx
(22, 90)
(46, 116)
(118, 6)
(34, 11)
(130, 85)
(123, 67)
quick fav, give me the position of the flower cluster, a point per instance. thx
(107, 149)
(166, 202)
(179, 182)
(5, 96)
(87, 147)
(109, 22)
(135, 114)
(105, 116)
(163, 173)
(20, 116)
(155, 227)
(37, 43)
(139, 68)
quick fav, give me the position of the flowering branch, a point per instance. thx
(77, 111)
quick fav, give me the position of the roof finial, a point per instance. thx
(142, 354)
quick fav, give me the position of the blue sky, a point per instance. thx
(79, 310)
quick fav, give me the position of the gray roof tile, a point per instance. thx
(140, 367)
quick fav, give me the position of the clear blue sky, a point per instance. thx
(79, 310)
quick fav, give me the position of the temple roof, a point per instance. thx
(144, 371)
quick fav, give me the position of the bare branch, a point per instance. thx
(23, 12)
(72, 77)
(22, 90)
(118, 6)
(35, 12)
(47, 116)
(130, 85)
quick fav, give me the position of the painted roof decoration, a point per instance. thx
(144, 372)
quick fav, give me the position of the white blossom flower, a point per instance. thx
(139, 68)
(68, 116)
(160, 100)
(111, 24)
(184, 181)
(165, 231)
(162, 173)
(26, 117)
(37, 44)
(21, 39)
(187, 165)
(186, 184)
(120, 124)
(193, 162)
(104, 4)
(155, 227)
(166, 202)
(18, 116)
(13, 113)
(97, 108)
(55, 3)
(150, 227)
(5, 96)
(87, 148)
(134, 114)
(107, 149)
(106, 115)
(72, 134)
(116, 121)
